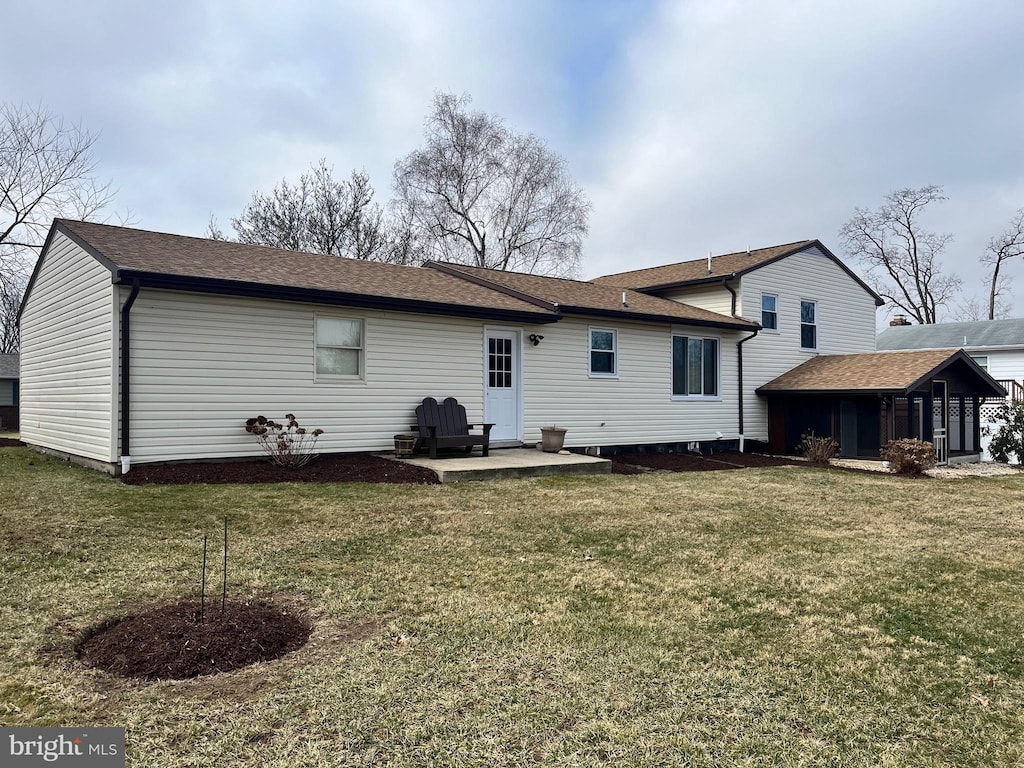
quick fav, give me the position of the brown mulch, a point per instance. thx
(9, 442)
(637, 463)
(326, 468)
(171, 643)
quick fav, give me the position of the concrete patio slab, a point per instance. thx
(508, 463)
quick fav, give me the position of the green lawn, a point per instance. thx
(788, 616)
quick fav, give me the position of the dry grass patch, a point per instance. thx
(788, 616)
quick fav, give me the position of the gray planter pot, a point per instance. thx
(551, 439)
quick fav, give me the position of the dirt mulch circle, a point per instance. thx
(325, 468)
(638, 463)
(171, 643)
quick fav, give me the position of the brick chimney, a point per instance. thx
(899, 320)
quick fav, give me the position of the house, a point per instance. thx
(997, 346)
(9, 392)
(807, 302)
(143, 347)
(865, 400)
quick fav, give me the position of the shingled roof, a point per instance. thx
(9, 366)
(724, 267)
(587, 298)
(876, 372)
(968, 335)
(218, 266)
(178, 262)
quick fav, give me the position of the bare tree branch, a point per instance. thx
(322, 215)
(901, 258)
(1000, 249)
(47, 171)
(476, 180)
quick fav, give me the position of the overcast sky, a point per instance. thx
(692, 126)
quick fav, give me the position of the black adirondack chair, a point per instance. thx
(445, 426)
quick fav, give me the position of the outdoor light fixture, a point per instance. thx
(535, 338)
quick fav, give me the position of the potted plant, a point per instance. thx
(551, 439)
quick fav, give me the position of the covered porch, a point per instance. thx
(865, 400)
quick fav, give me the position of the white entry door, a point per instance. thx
(502, 385)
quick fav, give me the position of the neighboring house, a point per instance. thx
(997, 346)
(8, 393)
(143, 347)
(868, 399)
(807, 301)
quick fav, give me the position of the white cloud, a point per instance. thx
(694, 125)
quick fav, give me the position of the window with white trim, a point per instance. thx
(769, 311)
(695, 367)
(981, 360)
(808, 324)
(604, 352)
(339, 347)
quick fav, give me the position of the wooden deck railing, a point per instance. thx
(1014, 390)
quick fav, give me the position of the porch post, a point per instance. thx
(927, 422)
(963, 425)
(977, 422)
(910, 415)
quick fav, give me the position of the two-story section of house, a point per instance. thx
(807, 301)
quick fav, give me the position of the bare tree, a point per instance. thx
(46, 172)
(901, 258)
(481, 194)
(12, 288)
(1000, 249)
(319, 214)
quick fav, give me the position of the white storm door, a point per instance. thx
(502, 385)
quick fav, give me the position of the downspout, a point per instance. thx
(739, 366)
(739, 357)
(126, 454)
(730, 289)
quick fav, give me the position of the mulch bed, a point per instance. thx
(9, 442)
(326, 468)
(637, 463)
(171, 643)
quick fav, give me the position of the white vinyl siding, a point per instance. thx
(67, 356)
(844, 314)
(1005, 364)
(633, 409)
(202, 365)
(713, 298)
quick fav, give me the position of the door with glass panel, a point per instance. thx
(502, 385)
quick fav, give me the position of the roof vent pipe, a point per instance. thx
(709, 262)
(624, 299)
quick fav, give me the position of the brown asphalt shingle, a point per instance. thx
(578, 296)
(178, 255)
(697, 269)
(876, 371)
